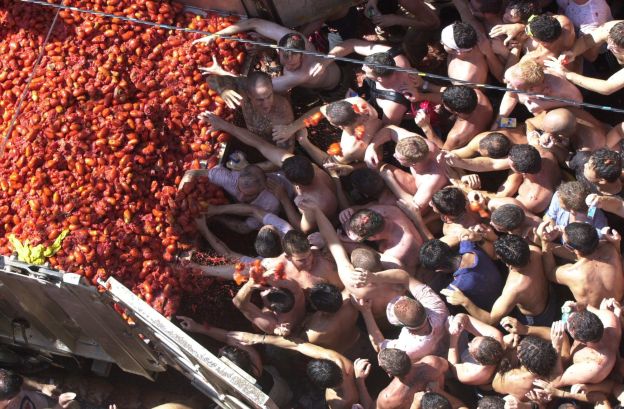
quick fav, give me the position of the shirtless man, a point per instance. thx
(603, 170)
(465, 61)
(598, 272)
(475, 364)
(549, 36)
(407, 379)
(330, 82)
(310, 181)
(526, 288)
(493, 145)
(451, 204)
(327, 369)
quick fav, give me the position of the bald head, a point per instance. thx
(559, 121)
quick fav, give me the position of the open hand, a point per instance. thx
(555, 66)
(214, 69)
(232, 98)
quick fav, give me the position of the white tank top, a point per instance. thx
(586, 17)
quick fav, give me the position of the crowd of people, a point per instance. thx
(462, 241)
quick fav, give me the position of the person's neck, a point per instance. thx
(611, 188)
(466, 55)
(423, 331)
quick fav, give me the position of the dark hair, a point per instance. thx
(295, 242)
(495, 144)
(537, 355)
(298, 169)
(525, 158)
(512, 250)
(460, 98)
(341, 113)
(585, 326)
(617, 34)
(280, 300)
(366, 185)
(489, 351)
(394, 361)
(582, 237)
(436, 254)
(268, 242)
(256, 78)
(238, 356)
(410, 312)
(326, 297)
(450, 201)
(607, 164)
(381, 59)
(366, 259)
(366, 223)
(324, 373)
(10, 384)
(465, 35)
(491, 402)
(508, 216)
(432, 400)
(414, 148)
(573, 194)
(545, 28)
(292, 40)
(525, 8)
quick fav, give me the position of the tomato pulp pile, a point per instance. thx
(106, 130)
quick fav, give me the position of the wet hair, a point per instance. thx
(432, 400)
(414, 148)
(491, 402)
(326, 297)
(295, 242)
(410, 312)
(238, 356)
(545, 28)
(256, 78)
(537, 355)
(450, 201)
(525, 158)
(460, 98)
(530, 71)
(366, 185)
(616, 34)
(573, 194)
(585, 326)
(292, 40)
(381, 59)
(496, 145)
(341, 113)
(524, 8)
(10, 384)
(298, 169)
(607, 164)
(465, 35)
(489, 352)
(324, 373)
(268, 242)
(280, 300)
(366, 259)
(394, 361)
(512, 250)
(366, 223)
(582, 237)
(508, 216)
(436, 254)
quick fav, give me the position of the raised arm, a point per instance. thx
(242, 300)
(360, 47)
(479, 164)
(265, 28)
(217, 245)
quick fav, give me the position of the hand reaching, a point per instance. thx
(454, 296)
(513, 326)
(214, 69)
(189, 324)
(337, 169)
(422, 119)
(216, 123)
(471, 181)
(361, 368)
(232, 98)
(209, 39)
(510, 31)
(555, 66)
(283, 133)
(557, 332)
(371, 158)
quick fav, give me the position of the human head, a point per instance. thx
(494, 145)
(527, 75)
(239, 357)
(432, 400)
(341, 114)
(406, 312)
(507, 217)
(325, 297)
(458, 38)
(491, 402)
(544, 28)
(394, 361)
(572, 196)
(615, 41)
(251, 181)
(525, 159)
(582, 237)
(537, 355)
(411, 150)
(10, 385)
(560, 122)
(585, 327)
(383, 76)
(519, 11)
(486, 350)
(449, 202)
(291, 60)
(366, 185)
(298, 169)
(460, 99)
(278, 299)
(268, 242)
(297, 249)
(603, 166)
(324, 373)
(366, 259)
(512, 250)
(260, 91)
(366, 223)
(438, 256)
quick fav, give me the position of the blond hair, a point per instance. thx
(530, 72)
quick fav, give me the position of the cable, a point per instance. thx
(326, 56)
